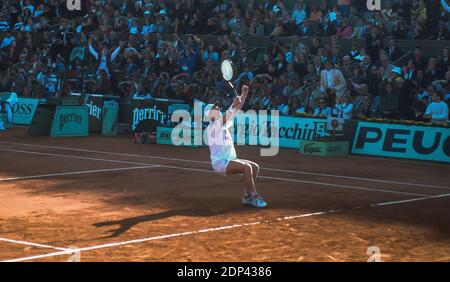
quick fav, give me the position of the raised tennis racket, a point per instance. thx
(227, 70)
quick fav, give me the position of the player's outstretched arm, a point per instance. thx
(238, 102)
(243, 97)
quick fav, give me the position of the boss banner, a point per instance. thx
(24, 110)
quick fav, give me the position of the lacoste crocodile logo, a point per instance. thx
(310, 149)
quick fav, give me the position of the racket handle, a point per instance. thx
(232, 87)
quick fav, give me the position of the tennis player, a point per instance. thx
(223, 154)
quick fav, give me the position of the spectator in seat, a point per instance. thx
(362, 104)
(437, 111)
(7, 40)
(432, 72)
(322, 109)
(444, 60)
(344, 8)
(332, 81)
(313, 93)
(419, 59)
(106, 57)
(374, 42)
(358, 75)
(344, 31)
(393, 52)
(210, 53)
(373, 81)
(104, 84)
(343, 108)
(299, 15)
(244, 60)
(293, 107)
(389, 100)
(410, 71)
(130, 68)
(187, 60)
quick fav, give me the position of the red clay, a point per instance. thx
(98, 208)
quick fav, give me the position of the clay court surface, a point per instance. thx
(119, 201)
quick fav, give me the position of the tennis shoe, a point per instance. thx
(254, 200)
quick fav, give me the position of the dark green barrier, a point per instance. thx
(110, 120)
(95, 103)
(42, 120)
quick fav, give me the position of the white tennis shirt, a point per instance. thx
(220, 141)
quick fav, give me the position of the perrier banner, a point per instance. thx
(145, 115)
(96, 103)
(70, 121)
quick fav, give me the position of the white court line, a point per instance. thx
(262, 168)
(362, 179)
(105, 152)
(32, 244)
(210, 171)
(77, 172)
(398, 160)
(75, 157)
(410, 200)
(207, 230)
(342, 186)
(309, 214)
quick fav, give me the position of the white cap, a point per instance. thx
(207, 111)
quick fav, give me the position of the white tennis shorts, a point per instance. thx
(220, 166)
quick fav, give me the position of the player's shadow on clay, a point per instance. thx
(126, 224)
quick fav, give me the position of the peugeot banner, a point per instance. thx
(402, 141)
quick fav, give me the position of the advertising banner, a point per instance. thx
(95, 107)
(325, 149)
(70, 121)
(290, 130)
(24, 110)
(164, 136)
(95, 104)
(148, 114)
(110, 120)
(402, 141)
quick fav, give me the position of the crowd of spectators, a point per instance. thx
(143, 49)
